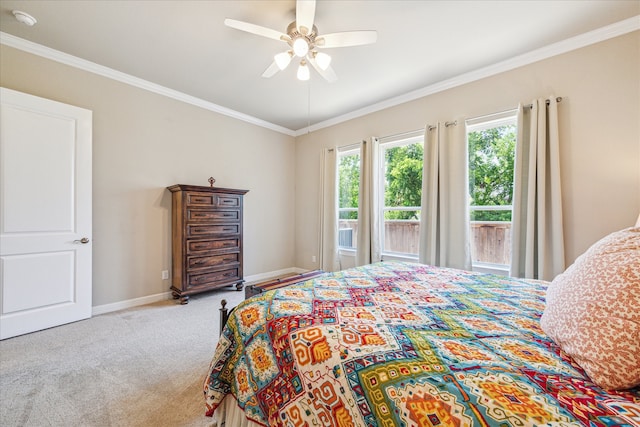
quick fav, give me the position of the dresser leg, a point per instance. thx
(239, 286)
(175, 295)
(184, 299)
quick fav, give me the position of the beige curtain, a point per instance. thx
(329, 211)
(537, 243)
(444, 219)
(368, 242)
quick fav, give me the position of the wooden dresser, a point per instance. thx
(206, 239)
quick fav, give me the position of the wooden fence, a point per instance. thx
(490, 241)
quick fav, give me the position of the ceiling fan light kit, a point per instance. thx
(323, 60)
(302, 40)
(283, 59)
(300, 47)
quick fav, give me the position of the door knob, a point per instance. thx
(84, 240)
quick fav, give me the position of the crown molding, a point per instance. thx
(601, 34)
(592, 37)
(92, 67)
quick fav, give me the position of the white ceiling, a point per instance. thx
(184, 46)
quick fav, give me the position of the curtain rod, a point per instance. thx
(446, 124)
(558, 99)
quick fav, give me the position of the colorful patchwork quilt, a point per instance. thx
(405, 344)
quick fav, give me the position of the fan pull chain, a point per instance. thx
(308, 107)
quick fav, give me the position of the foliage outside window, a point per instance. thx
(348, 188)
(403, 180)
(491, 162)
(402, 194)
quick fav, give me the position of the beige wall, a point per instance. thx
(599, 131)
(142, 143)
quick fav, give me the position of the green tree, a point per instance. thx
(348, 182)
(403, 177)
(491, 162)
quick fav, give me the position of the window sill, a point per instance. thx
(385, 257)
(400, 257)
(347, 252)
(485, 267)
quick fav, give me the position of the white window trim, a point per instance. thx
(394, 256)
(386, 143)
(343, 151)
(492, 120)
(479, 124)
(485, 267)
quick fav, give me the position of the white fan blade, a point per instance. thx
(271, 70)
(347, 38)
(256, 29)
(305, 13)
(328, 74)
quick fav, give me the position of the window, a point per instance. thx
(401, 192)
(491, 161)
(348, 186)
(492, 142)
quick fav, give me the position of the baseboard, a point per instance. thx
(121, 305)
(270, 275)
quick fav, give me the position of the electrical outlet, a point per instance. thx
(165, 274)
(313, 258)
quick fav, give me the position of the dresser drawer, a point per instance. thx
(195, 230)
(199, 215)
(213, 200)
(212, 245)
(212, 260)
(220, 277)
(228, 201)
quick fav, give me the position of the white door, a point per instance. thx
(45, 213)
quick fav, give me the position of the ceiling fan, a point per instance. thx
(304, 41)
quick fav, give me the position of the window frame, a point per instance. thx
(384, 144)
(504, 118)
(347, 150)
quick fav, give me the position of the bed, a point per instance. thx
(403, 344)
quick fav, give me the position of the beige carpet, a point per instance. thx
(143, 366)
